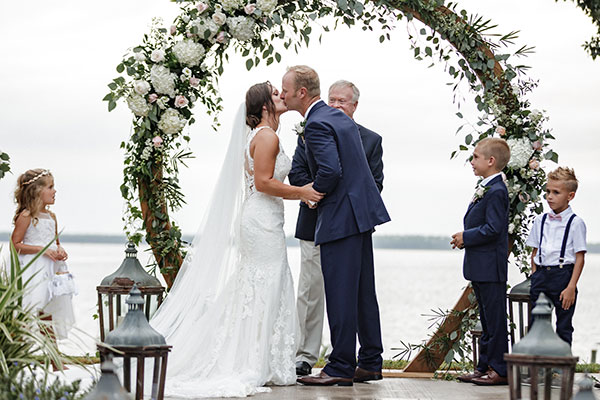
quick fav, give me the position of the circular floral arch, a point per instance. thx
(176, 67)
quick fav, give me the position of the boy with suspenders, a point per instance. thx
(559, 247)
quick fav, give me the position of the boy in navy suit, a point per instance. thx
(559, 247)
(485, 240)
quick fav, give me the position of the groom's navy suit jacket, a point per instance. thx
(339, 168)
(486, 235)
(300, 175)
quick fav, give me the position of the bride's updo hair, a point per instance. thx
(257, 96)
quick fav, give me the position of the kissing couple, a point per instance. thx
(231, 315)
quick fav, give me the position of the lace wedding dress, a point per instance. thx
(230, 316)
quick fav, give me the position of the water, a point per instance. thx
(410, 283)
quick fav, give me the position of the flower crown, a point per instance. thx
(38, 176)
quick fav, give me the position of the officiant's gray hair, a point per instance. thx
(342, 83)
(305, 76)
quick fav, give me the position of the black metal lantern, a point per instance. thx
(519, 298)
(108, 386)
(541, 351)
(117, 285)
(135, 338)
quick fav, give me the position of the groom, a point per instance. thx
(346, 216)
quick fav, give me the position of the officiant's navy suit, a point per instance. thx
(346, 216)
(485, 264)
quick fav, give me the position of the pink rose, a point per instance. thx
(181, 101)
(524, 197)
(194, 81)
(221, 37)
(201, 7)
(500, 130)
(534, 163)
(152, 98)
(249, 8)
(537, 145)
(173, 29)
(157, 141)
(189, 34)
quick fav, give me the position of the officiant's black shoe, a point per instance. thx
(303, 368)
(362, 375)
(322, 379)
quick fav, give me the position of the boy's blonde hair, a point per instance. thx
(565, 175)
(305, 76)
(497, 148)
(27, 194)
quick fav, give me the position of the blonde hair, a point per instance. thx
(567, 176)
(497, 148)
(306, 77)
(27, 194)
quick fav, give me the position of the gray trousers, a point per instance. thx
(310, 303)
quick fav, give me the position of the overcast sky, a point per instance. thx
(57, 58)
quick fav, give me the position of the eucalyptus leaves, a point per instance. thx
(4, 164)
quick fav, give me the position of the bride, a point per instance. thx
(230, 315)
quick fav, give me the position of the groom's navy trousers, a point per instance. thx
(350, 292)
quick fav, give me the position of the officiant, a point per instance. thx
(310, 304)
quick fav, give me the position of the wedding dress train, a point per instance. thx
(230, 315)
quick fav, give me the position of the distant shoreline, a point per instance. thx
(405, 242)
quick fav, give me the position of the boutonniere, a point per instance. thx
(480, 191)
(299, 128)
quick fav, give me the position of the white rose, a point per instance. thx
(219, 18)
(139, 56)
(511, 228)
(185, 18)
(157, 56)
(141, 87)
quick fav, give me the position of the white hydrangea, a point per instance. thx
(138, 105)
(147, 150)
(241, 28)
(171, 122)
(230, 5)
(163, 80)
(205, 24)
(521, 151)
(266, 6)
(188, 52)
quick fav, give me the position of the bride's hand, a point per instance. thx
(309, 195)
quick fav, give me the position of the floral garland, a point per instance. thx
(175, 68)
(4, 164)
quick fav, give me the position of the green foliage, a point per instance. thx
(31, 388)
(592, 10)
(4, 164)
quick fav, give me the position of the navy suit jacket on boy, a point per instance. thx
(486, 235)
(300, 175)
(339, 168)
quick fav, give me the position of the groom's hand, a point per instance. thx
(457, 241)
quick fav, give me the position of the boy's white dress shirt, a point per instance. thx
(554, 231)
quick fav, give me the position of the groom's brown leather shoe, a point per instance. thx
(490, 378)
(469, 377)
(362, 375)
(322, 379)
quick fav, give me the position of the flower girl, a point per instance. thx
(51, 287)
